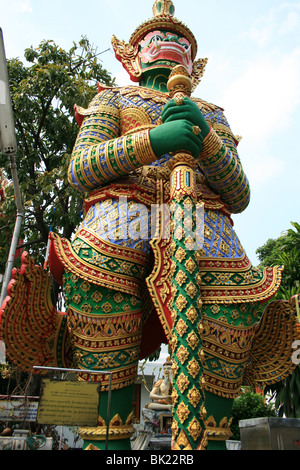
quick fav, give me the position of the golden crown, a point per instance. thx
(163, 18)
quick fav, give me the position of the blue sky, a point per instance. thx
(253, 72)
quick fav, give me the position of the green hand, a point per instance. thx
(189, 111)
(175, 136)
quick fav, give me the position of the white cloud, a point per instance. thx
(263, 98)
(122, 77)
(22, 6)
(262, 168)
(280, 20)
(291, 22)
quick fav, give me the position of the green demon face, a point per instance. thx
(165, 49)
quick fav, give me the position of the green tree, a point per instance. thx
(44, 92)
(249, 405)
(285, 251)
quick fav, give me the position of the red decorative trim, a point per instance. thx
(121, 378)
(79, 118)
(34, 332)
(133, 192)
(261, 291)
(62, 256)
(160, 289)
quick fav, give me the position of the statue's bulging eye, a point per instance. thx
(155, 39)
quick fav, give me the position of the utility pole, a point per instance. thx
(8, 146)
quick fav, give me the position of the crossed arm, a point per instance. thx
(101, 155)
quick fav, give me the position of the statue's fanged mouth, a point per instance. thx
(167, 51)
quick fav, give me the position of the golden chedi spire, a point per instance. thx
(163, 7)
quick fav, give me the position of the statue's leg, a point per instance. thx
(106, 326)
(227, 337)
(108, 261)
(219, 408)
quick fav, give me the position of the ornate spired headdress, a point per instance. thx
(163, 19)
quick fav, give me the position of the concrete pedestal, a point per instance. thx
(270, 434)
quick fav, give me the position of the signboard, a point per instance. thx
(17, 410)
(8, 144)
(67, 403)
